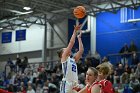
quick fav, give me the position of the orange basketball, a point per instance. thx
(79, 12)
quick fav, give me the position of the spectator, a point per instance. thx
(87, 64)
(24, 64)
(89, 54)
(39, 89)
(24, 78)
(120, 71)
(22, 90)
(10, 64)
(30, 89)
(105, 59)
(135, 59)
(125, 77)
(116, 78)
(58, 65)
(120, 88)
(97, 59)
(111, 78)
(132, 74)
(18, 64)
(81, 78)
(124, 57)
(35, 75)
(138, 71)
(127, 89)
(132, 47)
(58, 73)
(45, 87)
(23, 85)
(80, 67)
(30, 86)
(11, 88)
(40, 67)
(135, 85)
(89, 59)
(42, 75)
(127, 68)
(94, 59)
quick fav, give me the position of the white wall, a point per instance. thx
(34, 41)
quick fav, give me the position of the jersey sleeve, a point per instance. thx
(107, 86)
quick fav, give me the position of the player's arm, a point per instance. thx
(81, 48)
(96, 89)
(84, 90)
(71, 43)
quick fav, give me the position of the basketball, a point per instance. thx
(79, 12)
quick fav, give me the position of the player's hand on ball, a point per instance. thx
(76, 28)
(77, 88)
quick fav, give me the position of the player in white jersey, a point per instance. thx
(69, 67)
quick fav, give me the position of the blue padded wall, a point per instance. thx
(112, 34)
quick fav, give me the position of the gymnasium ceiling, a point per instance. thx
(12, 13)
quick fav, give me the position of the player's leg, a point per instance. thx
(62, 87)
(65, 87)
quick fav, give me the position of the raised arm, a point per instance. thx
(71, 43)
(96, 89)
(81, 48)
(84, 90)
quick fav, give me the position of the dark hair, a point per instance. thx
(94, 70)
(59, 52)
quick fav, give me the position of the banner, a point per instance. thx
(20, 35)
(6, 37)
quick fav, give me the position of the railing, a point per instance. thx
(116, 57)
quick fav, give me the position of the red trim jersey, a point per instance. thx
(106, 86)
(89, 88)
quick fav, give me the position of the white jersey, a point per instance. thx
(70, 76)
(69, 68)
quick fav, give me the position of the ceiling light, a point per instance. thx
(133, 20)
(1, 28)
(27, 8)
(23, 24)
(23, 13)
(19, 12)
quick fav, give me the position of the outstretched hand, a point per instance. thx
(79, 35)
(76, 28)
(76, 88)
